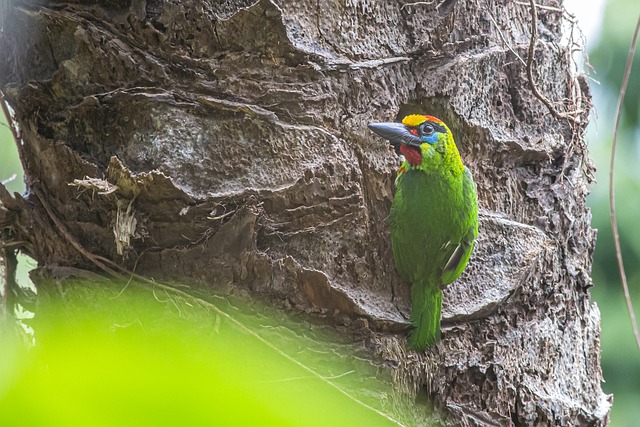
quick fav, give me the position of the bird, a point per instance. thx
(433, 219)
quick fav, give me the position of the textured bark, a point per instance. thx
(225, 144)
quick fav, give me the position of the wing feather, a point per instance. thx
(458, 255)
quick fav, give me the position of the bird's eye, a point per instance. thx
(426, 129)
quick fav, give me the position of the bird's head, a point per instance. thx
(418, 137)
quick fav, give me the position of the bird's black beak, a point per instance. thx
(395, 133)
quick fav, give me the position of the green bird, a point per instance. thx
(433, 219)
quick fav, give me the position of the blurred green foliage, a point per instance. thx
(124, 354)
(9, 161)
(620, 355)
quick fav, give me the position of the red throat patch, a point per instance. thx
(412, 154)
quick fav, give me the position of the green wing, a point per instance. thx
(458, 253)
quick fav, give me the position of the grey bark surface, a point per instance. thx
(224, 144)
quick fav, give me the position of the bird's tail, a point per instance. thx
(425, 315)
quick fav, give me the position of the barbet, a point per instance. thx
(433, 219)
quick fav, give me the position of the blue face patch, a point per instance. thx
(431, 139)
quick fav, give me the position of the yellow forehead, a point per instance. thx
(413, 120)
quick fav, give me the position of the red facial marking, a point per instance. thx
(412, 154)
(434, 119)
(413, 131)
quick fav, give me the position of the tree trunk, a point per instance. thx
(225, 144)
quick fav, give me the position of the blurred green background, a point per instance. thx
(608, 49)
(10, 168)
(608, 26)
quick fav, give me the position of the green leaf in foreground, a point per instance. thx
(150, 357)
